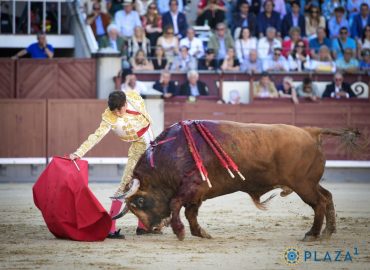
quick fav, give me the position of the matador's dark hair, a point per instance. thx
(116, 100)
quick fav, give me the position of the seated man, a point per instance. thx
(38, 50)
(252, 64)
(348, 63)
(343, 42)
(166, 85)
(275, 62)
(338, 89)
(318, 41)
(113, 40)
(266, 44)
(132, 84)
(265, 88)
(193, 87)
(208, 62)
(308, 90)
(184, 61)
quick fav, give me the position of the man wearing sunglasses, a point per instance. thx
(338, 88)
(343, 42)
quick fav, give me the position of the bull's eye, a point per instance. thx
(140, 202)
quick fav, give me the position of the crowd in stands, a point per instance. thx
(247, 35)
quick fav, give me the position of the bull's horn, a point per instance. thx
(134, 188)
(122, 213)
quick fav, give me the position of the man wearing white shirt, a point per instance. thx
(127, 19)
(131, 83)
(267, 44)
(194, 44)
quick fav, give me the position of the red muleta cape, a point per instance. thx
(69, 208)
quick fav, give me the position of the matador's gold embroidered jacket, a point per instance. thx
(129, 128)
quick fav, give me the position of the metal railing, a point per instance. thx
(11, 7)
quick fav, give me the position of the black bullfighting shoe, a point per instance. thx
(141, 231)
(116, 235)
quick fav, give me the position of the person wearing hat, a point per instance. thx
(208, 62)
(337, 21)
(113, 40)
(127, 19)
(276, 62)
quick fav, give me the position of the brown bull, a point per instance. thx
(269, 156)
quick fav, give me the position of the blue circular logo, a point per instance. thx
(292, 256)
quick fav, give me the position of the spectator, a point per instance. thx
(267, 44)
(252, 64)
(208, 62)
(337, 22)
(38, 50)
(132, 84)
(139, 42)
(176, 19)
(295, 36)
(347, 63)
(166, 85)
(314, 20)
(318, 41)
(354, 7)
(342, 43)
(338, 89)
(294, 19)
(308, 4)
(323, 63)
(140, 62)
(152, 23)
(278, 6)
(308, 90)
(365, 62)
(194, 44)
(142, 6)
(113, 40)
(184, 61)
(163, 6)
(231, 62)
(286, 90)
(329, 6)
(364, 43)
(211, 15)
(265, 88)
(268, 18)
(193, 87)
(159, 61)
(98, 21)
(360, 21)
(169, 42)
(127, 19)
(244, 45)
(6, 25)
(244, 19)
(234, 97)
(298, 58)
(113, 6)
(275, 62)
(221, 41)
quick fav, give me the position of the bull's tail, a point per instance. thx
(262, 205)
(349, 137)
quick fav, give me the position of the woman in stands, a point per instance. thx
(169, 43)
(245, 44)
(364, 42)
(286, 90)
(141, 62)
(139, 42)
(294, 37)
(159, 61)
(298, 58)
(152, 23)
(314, 20)
(231, 62)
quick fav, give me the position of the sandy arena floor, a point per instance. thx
(243, 236)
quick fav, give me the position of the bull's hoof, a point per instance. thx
(204, 234)
(181, 235)
(310, 238)
(327, 232)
